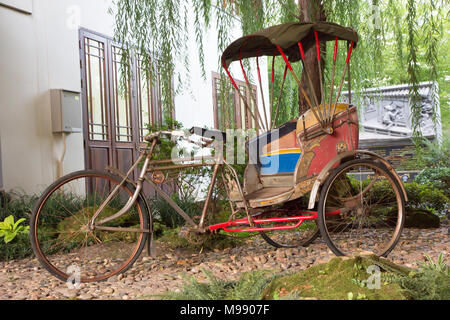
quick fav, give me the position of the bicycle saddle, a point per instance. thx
(207, 133)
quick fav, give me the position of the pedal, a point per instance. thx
(184, 232)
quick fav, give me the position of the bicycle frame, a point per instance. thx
(151, 166)
(148, 168)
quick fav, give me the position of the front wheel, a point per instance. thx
(62, 240)
(361, 209)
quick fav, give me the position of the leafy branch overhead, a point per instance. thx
(402, 41)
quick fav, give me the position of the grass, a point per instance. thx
(339, 279)
(218, 241)
(249, 287)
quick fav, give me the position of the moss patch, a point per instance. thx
(70, 229)
(219, 241)
(339, 279)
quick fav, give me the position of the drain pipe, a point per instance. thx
(60, 160)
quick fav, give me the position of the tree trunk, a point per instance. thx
(311, 11)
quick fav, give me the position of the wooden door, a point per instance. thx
(97, 117)
(115, 118)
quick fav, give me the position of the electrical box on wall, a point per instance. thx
(66, 111)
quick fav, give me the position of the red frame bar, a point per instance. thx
(317, 45)
(229, 74)
(257, 67)
(336, 45)
(350, 52)
(312, 215)
(273, 69)
(285, 58)
(302, 52)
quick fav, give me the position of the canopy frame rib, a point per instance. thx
(241, 96)
(262, 92)
(252, 97)
(279, 97)
(347, 63)
(333, 72)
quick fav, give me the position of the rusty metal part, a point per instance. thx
(171, 202)
(158, 177)
(180, 167)
(212, 158)
(350, 154)
(341, 147)
(209, 196)
(114, 229)
(113, 193)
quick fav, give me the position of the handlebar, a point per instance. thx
(202, 132)
(207, 136)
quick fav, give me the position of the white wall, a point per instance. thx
(39, 52)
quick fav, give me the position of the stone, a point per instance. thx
(145, 280)
(421, 218)
(108, 290)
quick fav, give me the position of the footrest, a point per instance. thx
(244, 222)
(269, 196)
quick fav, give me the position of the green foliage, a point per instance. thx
(401, 41)
(423, 196)
(438, 178)
(339, 279)
(163, 150)
(434, 154)
(440, 265)
(10, 229)
(431, 282)
(168, 216)
(18, 205)
(426, 197)
(249, 287)
(18, 249)
(434, 158)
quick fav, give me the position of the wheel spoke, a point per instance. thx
(366, 224)
(64, 239)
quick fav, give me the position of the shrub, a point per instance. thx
(166, 215)
(426, 197)
(250, 286)
(18, 249)
(431, 282)
(433, 154)
(438, 178)
(10, 229)
(18, 205)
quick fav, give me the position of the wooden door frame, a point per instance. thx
(237, 102)
(85, 33)
(156, 107)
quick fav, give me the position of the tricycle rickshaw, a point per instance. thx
(99, 222)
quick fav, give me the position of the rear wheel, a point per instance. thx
(60, 234)
(302, 236)
(361, 209)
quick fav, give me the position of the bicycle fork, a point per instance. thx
(131, 201)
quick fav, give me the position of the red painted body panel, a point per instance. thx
(327, 149)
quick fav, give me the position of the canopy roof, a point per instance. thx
(287, 36)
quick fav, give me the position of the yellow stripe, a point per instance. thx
(285, 151)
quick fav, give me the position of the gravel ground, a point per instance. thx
(26, 280)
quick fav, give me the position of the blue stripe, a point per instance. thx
(281, 163)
